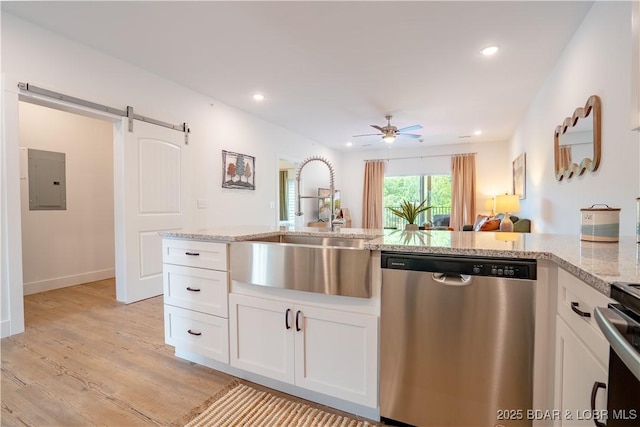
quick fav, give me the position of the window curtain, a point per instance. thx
(463, 190)
(284, 196)
(372, 194)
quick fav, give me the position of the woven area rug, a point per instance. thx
(241, 405)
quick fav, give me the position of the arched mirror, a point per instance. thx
(577, 141)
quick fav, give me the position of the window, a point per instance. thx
(435, 189)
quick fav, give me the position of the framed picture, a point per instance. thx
(238, 171)
(519, 176)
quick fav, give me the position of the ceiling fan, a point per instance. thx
(389, 133)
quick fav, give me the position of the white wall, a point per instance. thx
(32, 54)
(493, 177)
(597, 61)
(68, 247)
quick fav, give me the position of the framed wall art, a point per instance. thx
(519, 176)
(238, 171)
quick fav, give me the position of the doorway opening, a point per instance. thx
(75, 244)
(286, 192)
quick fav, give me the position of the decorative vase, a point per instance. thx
(411, 227)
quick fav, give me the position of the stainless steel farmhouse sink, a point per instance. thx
(328, 265)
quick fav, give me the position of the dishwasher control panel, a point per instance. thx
(512, 268)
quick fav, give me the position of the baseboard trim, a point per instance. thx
(66, 281)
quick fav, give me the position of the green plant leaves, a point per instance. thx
(410, 210)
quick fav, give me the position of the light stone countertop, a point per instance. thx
(251, 232)
(597, 264)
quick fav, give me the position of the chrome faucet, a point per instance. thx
(331, 187)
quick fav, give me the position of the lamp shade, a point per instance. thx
(508, 203)
(488, 204)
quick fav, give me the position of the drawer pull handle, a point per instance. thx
(189, 288)
(192, 253)
(574, 307)
(298, 328)
(286, 319)
(194, 333)
(594, 393)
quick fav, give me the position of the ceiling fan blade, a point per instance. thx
(408, 135)
(367, 134)
(377, 127)
(408, 128)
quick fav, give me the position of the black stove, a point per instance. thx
(620, 323)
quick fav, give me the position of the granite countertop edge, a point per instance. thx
(600, 282)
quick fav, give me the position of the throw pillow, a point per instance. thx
(480, 219)
(490, 225)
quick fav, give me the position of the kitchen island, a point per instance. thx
(292, 340)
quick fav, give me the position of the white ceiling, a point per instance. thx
(330, 69)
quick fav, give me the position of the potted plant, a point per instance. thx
(410, 211)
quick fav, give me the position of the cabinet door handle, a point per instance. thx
(574, 307)
(594, 393)
(298, 328)
(189, 288)
(194, 333)
(192, 253)
(286, 319)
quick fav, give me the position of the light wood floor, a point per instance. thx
(86, 359)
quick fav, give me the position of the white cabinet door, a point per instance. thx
(577, 370)
(337, 354)
(261, 336)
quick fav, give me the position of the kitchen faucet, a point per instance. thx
(331, 187)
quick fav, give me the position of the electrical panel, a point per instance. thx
(47, 180)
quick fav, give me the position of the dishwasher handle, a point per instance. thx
(452, 279)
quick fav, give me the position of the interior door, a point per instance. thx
(150, 165)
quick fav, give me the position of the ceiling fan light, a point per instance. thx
(389, 138)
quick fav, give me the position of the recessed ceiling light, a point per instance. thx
(349, 144)
(491, 50)
(258, 97)
(477, 132)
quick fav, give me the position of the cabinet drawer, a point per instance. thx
(192, 253)
(572, 290)
(198, 333)
(196, 289)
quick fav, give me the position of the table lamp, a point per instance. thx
(508, 204)
(488, 205)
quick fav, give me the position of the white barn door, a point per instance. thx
(149, 198)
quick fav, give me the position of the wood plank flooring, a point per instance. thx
(86, 359)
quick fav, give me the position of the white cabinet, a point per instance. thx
(329, 351)
(582, 354)
(196, 288)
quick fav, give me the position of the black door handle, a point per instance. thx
(286, 319)
(574, 307)
(194, 333)
(192, 253)
(298, 328)
(594, 393)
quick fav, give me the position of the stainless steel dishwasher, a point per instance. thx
(456, 340)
